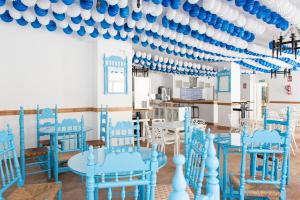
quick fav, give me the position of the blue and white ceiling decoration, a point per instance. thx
(195, 30)
(171, 65)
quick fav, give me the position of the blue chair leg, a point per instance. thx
(49, 165)
(96, 191)
(288, 170)
(59, 195)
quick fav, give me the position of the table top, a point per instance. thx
(172, 125)
(224, 140)
(77, 163)
(50, 130)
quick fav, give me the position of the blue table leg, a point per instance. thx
(141, 192)
(96, 191)
(225, 159)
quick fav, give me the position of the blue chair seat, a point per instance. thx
(65, 156)
(163, 191)
(36, 152)
(39, 191)
(256, 190)
(46, 142)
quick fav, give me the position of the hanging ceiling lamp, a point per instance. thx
(287, 43)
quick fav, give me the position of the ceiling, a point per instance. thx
(84, 18)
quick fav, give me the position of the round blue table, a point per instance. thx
(78, 163)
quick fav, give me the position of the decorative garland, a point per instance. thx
(117, 21)
(265, 14)
(170, 65)
(217, 22)
(243, 64)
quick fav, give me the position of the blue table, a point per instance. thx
(77, 163)
(224, 147)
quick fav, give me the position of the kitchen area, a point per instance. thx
(164, 96)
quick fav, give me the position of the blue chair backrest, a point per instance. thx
(71, 133)
(284, 122)
(9, 166)
(103, 122)
(187, 132)
(122, 170)
(269, 144)
(196, 160)
(122, 136)
(211, 164)
(44, 118)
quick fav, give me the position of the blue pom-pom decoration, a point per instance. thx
(18, 5)
(124, 12)
(59, 17)
(22, 21)
(36, 24)
(51, 26)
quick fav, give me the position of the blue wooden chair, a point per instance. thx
(33, 160)
(270, 181)
(123, 137)
(202, 154)
(122, 170)
(71, 133)
(44, 118)
(11, 174)
(285, 125)
(103, 129)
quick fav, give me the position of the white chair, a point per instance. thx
(159, 135)
(233, 125)
(157, 121)
(199, 123)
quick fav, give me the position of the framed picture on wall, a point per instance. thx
(115, 75)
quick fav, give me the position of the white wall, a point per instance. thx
(277, 91)
(48, 68)
(159, 79)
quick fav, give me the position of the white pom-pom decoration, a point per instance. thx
(202, 28)
(44, 4)
(29, 15)
(178, 17)
(185, 20)
(12, 12)
(155, 27)
(109, 19)
(73, 10)
(43, 20)
(74, 27)
(29, 3)
(193, 1)
(61, 8)
(158, 9)
(131, 22)
(141, 23)
(194, 24)
(119, 20)
(161, 30)
(97, 16)
(86, 14)
(89, 29)
(171, 13)
(123, 3)
(64, 24)
(112, 2)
